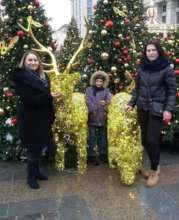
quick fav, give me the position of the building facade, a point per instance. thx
(81, 9)
(167, 11)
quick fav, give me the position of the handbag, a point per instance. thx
(157, 108)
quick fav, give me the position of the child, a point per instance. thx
(98, 98)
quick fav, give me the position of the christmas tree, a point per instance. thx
(111, 45)
(171, 44)
(137, 22)
(70, 46)
(16, 11)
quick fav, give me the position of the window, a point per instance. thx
(177, 3)
(177, 18)
(164, 19)
(164, 7)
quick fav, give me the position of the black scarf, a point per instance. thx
(155, 65)
(97, 89)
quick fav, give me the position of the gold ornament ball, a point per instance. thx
(5, 89)
(90, 32)
(104, 32)
(116, 80)
(104, 56)
(20, 20)
(114, 69)
(105, 2)
(30, 7)
(26, 46)
(84, 76)
(2, 112)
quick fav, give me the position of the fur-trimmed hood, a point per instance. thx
(95, 76)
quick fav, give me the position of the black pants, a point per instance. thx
(151, 127)
(33, 164)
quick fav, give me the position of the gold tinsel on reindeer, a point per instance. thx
(124, 149)
(71, 109)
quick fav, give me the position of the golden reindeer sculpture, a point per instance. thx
(71, 110)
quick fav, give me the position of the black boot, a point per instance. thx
(32, 173)
(93, 160)
(40, 176)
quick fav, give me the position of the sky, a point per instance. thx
(59, 11)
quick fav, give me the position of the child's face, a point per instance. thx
(99, 83)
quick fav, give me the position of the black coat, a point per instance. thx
(35, 111)
(155, 91)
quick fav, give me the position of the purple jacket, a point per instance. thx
(97, 113)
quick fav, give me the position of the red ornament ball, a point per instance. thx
(9, 94)
(109, 24)
(177, 72)
(37, 3)
(119, 60)
(138, 61)
(91, 61)
(14, 120)
(117, 43)
(177, 94)
(125, 52)
(126, 21)
(20, 34)
(177, 61)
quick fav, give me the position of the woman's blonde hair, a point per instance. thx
(22, 62)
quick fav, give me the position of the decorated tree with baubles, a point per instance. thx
(111, 45)
(16, 11)
(171, 44)
(70, 46)
(137, 23)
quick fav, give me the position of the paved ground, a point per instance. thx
(97, 195)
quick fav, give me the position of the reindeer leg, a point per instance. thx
(60, 152)
(81, 143)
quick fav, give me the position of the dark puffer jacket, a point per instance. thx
(155, 91)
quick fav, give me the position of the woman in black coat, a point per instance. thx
(154, 95)
(35, 112)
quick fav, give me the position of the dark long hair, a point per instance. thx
(159, 48)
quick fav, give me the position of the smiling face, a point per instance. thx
(151, 52)
(31, 62)
(99, 83)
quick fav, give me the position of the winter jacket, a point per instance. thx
(35, 111)
(155, 91)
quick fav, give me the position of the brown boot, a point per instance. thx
(146, 173)
(153, 178)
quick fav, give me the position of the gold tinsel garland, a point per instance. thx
(124, 144)
(71, 119)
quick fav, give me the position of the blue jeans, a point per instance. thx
(97, 136)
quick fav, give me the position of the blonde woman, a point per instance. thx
(35, 112)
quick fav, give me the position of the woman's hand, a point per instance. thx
(56, 94)
(167, 116)
(128, 108)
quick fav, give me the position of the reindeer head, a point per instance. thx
(60, 82)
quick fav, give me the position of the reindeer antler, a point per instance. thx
(41, 48)
(82, 46)
(4, 47)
